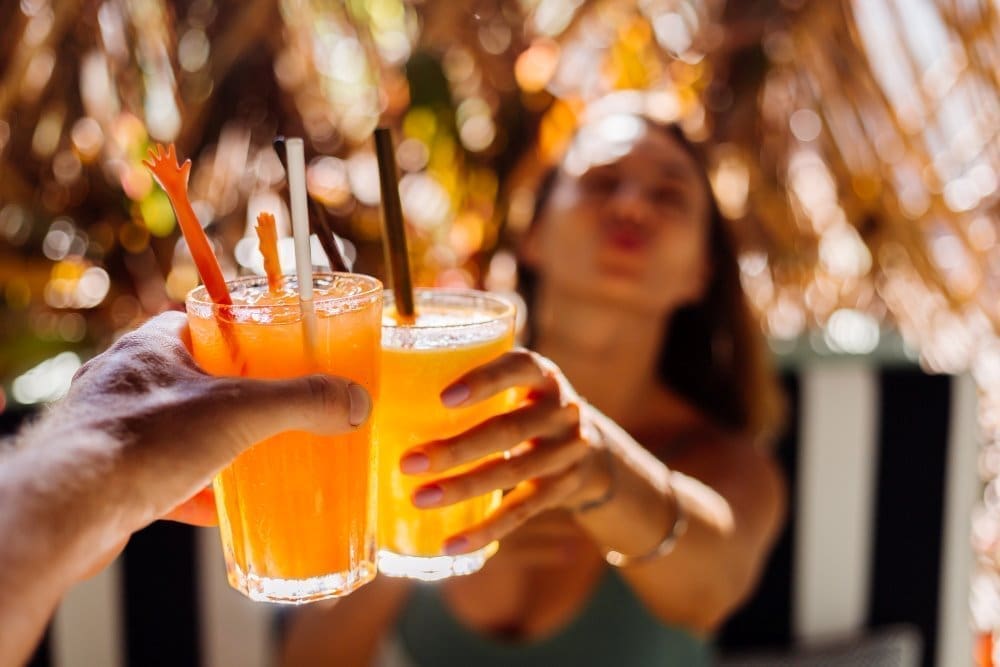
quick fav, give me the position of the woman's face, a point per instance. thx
(630, 228)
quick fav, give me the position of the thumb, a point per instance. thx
(253, 410)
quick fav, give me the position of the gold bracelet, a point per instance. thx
(666, 545)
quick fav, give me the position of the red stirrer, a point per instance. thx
(173, 178)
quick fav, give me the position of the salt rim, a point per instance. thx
(497, 319)
(361, 291)
(503, 307)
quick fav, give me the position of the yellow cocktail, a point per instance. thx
(455, 331)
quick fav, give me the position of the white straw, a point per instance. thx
(300, 232)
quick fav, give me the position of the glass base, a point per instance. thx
(433, 568)
(300, 591)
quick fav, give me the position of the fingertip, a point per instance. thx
(361, 404)
(428, 496)
(455, 395)
(414, 463)
(456, 545)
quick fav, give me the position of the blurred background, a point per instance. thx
(853, 147)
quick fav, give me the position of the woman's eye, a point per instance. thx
(601, 183)
(668, 196)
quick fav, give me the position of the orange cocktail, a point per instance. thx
(455, 331)
(295, 511)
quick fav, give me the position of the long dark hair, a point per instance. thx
(713, 354)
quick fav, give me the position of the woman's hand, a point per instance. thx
(547, 458)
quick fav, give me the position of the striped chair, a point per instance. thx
(882, 471)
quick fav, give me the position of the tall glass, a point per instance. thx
(295, 511)
(455, 331)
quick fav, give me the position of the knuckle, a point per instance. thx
(129, 343)
(572, 476)
(326, 393)
(82, 370)
(546, 365)
(525, 359)
(128, 378)
(442, 454)
(571, 480)
(489, 375)
(461, 488)
(570, 414)
(521, 513)
(510, 428)
(518, 469)
(151, 358)
(557, 419)
(485, 533)
(578, 449)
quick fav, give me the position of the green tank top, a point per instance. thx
(612, 629)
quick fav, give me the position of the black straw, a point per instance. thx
(394, 236)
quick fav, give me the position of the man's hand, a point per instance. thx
(141, 431)
(176, 426)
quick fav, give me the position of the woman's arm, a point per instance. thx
(732, 496)
(733, 499)
(347, 633)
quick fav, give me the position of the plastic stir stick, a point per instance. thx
(173, 178)
(267, 237)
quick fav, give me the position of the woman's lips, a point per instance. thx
(628, 240)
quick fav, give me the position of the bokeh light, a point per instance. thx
(850, 145)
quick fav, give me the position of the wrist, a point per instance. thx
(598, 473)
(677, 526)
(599, 482)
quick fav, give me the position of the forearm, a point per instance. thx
(30, 584)
(712, 565)
(347, 633)
(49, 525)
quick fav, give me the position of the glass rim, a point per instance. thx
(371, 286)
(507, 309)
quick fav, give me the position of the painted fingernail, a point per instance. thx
(456, 546)
(361, 404)
(428, 496)
(415, 463)
(455, 395)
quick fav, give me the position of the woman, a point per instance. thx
(639, 518)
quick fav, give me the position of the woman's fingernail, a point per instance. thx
(428, 496)
(456, 546)
(361, 404)
(455, 395)
(415, 463)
